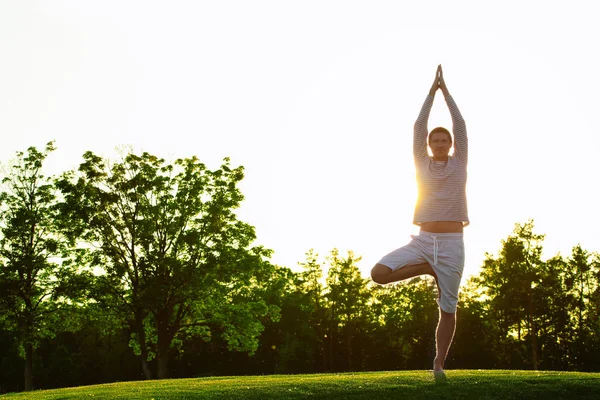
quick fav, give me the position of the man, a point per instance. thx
(441, 213)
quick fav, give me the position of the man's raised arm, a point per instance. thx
(459, 128)
(420, 128)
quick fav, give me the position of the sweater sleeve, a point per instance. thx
(420, 130)
(459, 130)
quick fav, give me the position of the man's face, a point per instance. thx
(440, 144)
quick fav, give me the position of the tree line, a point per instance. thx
(139, 269)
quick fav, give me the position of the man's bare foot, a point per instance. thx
(440, 376)
(438, 372)
(438, 365)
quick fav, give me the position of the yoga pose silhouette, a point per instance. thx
(441, 214)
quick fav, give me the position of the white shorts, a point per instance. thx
(445, 252)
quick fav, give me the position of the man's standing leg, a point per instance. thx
(449, 272)
(443, 338)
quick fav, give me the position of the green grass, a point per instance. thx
(405, 385)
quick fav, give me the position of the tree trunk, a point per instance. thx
(533, 333)
(164, 344)
(162, 358)
(145, 367)
(139, 321)
(324, 352)
(28, 367)
(534, 345)
(331, 361)
(349, 350)
(162, 361)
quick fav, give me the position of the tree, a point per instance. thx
(311, 286)
(581, 281)
(288, 344)
(34, 283)
(347, 297)
(511, 284)
(555, 306)
(177, 262)
(474, 332)
(406, 319)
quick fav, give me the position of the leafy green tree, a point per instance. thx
(539, 314)
(474, 332)
(581, 281)
(556, 303)
(287, 343)
(347, 302)
(35, 284)
(311, 286)
(512, 285)
(297, 339)
(594, 314)
(176, 260)
(11, 363)
(406, 317)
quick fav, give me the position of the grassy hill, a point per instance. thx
(461, 384)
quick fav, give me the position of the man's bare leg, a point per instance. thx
(443, 338)
(383, 274)
(446, 325)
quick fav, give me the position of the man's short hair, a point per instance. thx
(437, 130)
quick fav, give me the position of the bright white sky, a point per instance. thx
(317, 99)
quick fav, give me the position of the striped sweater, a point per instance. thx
(441, 188)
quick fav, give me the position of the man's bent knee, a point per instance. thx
(380, 273)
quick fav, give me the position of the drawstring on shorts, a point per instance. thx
(435, 250)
